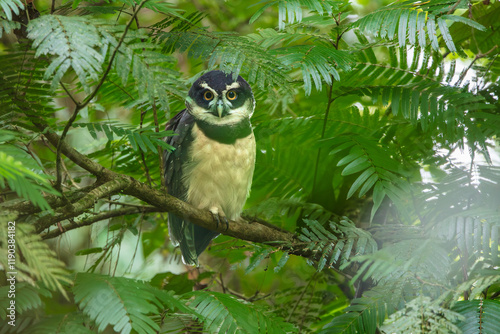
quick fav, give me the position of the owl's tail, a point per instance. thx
(191, 239)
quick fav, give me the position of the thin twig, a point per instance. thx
(476, 57)
(89, 98)
(325, 121)
(69, 94)
(146, 169)
(301, 296)
(99, 217)
(454, 7)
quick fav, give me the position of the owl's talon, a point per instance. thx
(226, 222)
(218, 218)
(215, 217)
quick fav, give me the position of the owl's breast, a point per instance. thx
(219, 174)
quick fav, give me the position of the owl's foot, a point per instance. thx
(219, 217)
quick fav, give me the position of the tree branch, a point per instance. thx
(72, 210)
(98, 217)
(113, 183)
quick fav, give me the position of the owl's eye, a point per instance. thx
(231, 95)
(208, 95)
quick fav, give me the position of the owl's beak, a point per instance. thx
(220, 108)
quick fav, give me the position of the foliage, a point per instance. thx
(377, 133)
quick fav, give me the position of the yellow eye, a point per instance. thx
(208, 95)
(231, 95)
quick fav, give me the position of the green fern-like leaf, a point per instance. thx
(74, 42)
(11, 6)
(8, 26)
(475, 236)
(145, 139)
(61, 324)
(410, 21)
(291, 11)
(120, 302)
(39, 263)
(362, 316)
(396, 265)
(260, 254)
(335, 245)
(422, 315)
(378, 169)
(24, 182)
(26, 297)
(481, 316)
(317, 62)
(221, 313)
(234, 53)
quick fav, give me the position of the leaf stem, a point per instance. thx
(325, 122)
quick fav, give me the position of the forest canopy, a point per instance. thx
(374, 206)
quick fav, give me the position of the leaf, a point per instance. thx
(445, 33)
(143, 139)
(120, 302)
(259, 255)
(281, 263)
(11, 6)
(360, 180)
(39, 263)
(25, 182)
(318, 63)
(336, 243)
(464, 20)
(291, 10)
(73, 40)
(483, 314)
(221, 313)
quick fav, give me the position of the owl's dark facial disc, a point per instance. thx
(216, 98)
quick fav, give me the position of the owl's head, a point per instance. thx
(218, 99)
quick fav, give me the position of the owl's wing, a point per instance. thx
(192, 239)
(173, 161)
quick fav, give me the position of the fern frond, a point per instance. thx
(39, 263)
(379, 169)
(26, 296)
(258, 255)
(305, 305)
(83, 45)
(408, 19)
(23, 91)
(424, 94)
(8, 26)
(405, 265)
(422, 315)
(11, 6)
(221, 313)
(317, 62)
(362, 316)
(475, 236)
(291, 11)
(120, 302)
(234, 53)
(335, 245)
(74, 42)
(478, 283)
(480, 316)
(144, 139)
(24, 182)
(62, 323)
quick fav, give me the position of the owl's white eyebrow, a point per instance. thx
(233, 85)
(205, 85)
